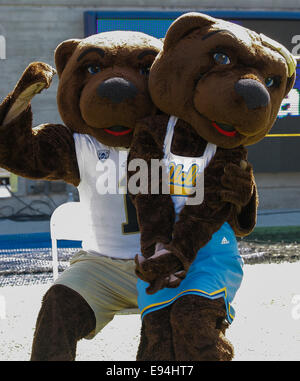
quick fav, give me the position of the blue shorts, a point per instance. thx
(216, 272)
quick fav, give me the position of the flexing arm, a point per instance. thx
(44, 152)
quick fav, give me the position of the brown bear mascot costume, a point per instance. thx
(102, 92)
(220, 87)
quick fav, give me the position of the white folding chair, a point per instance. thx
(68, 222)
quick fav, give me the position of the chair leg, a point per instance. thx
(54, 259)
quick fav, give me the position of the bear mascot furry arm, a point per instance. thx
(47, 151)
(225, 85)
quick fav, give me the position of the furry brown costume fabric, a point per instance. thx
(221, 185)
(102, 92)
(68, 318)
(225, 83)
(170, 334)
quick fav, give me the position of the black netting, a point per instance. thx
(30, 266)
(33, 266)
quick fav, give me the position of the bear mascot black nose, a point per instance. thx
(254, 93)
(117, 89)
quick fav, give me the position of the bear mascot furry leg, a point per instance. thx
(220, 87)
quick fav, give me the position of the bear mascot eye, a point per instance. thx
(269, 81)
(93, 69)
(221, 59)
(145, 70)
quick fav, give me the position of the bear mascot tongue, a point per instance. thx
(219, 87)
(102, 92)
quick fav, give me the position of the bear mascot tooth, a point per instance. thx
(102, 92)
(219, 87)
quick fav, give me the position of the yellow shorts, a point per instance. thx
(107, 284)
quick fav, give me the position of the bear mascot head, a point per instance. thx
(226, 81)
(103, 84)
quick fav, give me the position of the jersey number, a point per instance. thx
(131, 225)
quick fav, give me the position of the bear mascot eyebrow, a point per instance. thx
(219, 87)
(102, 92)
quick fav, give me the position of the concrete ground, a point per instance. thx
(266, 327)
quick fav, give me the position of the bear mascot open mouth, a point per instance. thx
(118, 130)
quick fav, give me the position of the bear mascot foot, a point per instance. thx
(191, 329)
(64, 318)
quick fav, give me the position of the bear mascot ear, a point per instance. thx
(63, 52)
(290, 83)
(291, 80)
(290, 59)
(184, 25)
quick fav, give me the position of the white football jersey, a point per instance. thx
(110, 218)
(183, 170)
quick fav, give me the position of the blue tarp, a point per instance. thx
(33, 240)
